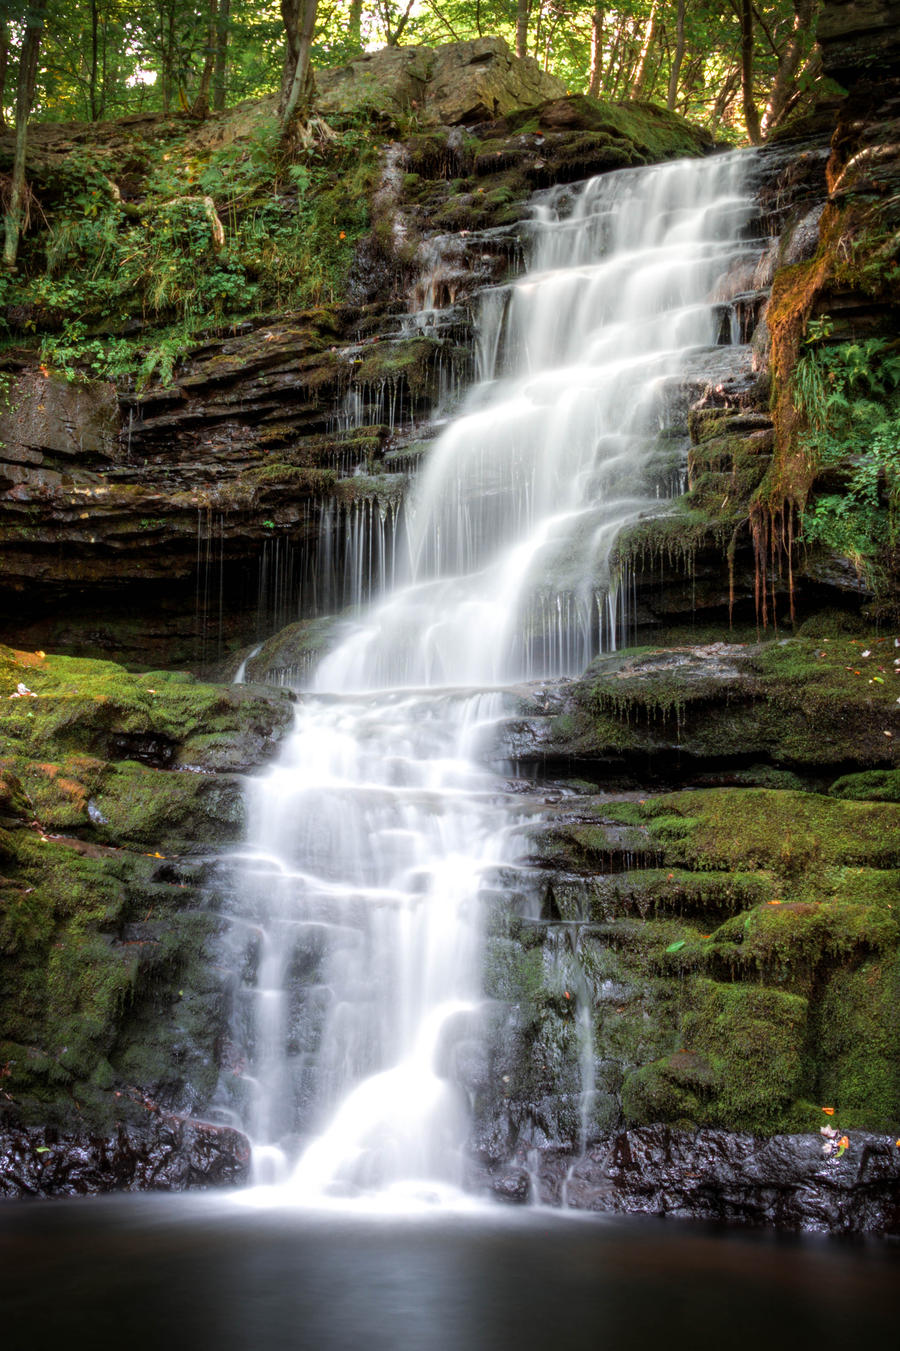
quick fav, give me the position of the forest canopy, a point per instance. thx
(739, 67)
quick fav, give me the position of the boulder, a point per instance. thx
(455, 83)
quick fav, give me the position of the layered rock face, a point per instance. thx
(169, 524)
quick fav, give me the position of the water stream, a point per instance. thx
(359, 918)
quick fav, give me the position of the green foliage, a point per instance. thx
(207, 236)
(849, 396)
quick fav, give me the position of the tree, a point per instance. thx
(221, 58)
(784, 86)
(677, 59)
(297, 82)
(16, 207)
(200, 106)
(596, 67)
(751, 115)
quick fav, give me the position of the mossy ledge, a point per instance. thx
(111, 1005)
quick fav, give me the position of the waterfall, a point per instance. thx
(369, 839)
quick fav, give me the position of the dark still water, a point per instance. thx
(167, 1272)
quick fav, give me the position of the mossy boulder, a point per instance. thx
(110, 997)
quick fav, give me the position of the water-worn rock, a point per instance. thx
(170, 1153)
(787, 1181)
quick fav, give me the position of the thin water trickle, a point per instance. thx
(375, 832)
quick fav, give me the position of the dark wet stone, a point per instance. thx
(786, 1181)
(171, 1154)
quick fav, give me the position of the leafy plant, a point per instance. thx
(849, 395)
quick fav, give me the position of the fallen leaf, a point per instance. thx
(829, 1111)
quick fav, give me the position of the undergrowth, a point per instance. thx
(849, 397)
(115, 282)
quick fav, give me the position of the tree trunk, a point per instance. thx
(95, 62)
(751, 115)
(220, 70)
(640, 74)
(297, 82)
(4, 62)
(354, 24)
(394, 40)
(522, 8)
(200, 107)
(596, 53)
(788, 66)
(675, 72)
(28, 63)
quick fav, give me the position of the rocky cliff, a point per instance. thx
(707, 905)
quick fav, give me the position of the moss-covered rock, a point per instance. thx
(792, 702)
(721, 957)
(109, 992)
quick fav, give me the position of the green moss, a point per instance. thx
(789, 832)
(412, 360)
(875, 785)
(95, 710)
(169, 812)
(740, 1065)
(297, 477)
(857, 1041)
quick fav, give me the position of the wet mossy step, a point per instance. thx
(827, 707)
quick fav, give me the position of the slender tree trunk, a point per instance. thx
(675, 72)
(640, 74)
(354, 24)
(95, 62)
(297, 84)
(28, 63)
(615, 62)
(403, 21)
(751, 115)
(522, 8)
(596, 69)
(200, 107)
(104, 61)
(725, 96)
(788, 66)
(4, 62)
(220, 72)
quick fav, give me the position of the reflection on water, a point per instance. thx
(175, 1272)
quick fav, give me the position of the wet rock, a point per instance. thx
(786, 1181)
(169, 1154)
(796, 702)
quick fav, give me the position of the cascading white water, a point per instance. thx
(371, 835)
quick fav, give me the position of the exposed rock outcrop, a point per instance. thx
(457, 82)
(787, 1181)
(171, 1154)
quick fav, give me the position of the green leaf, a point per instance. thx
(676, 947)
